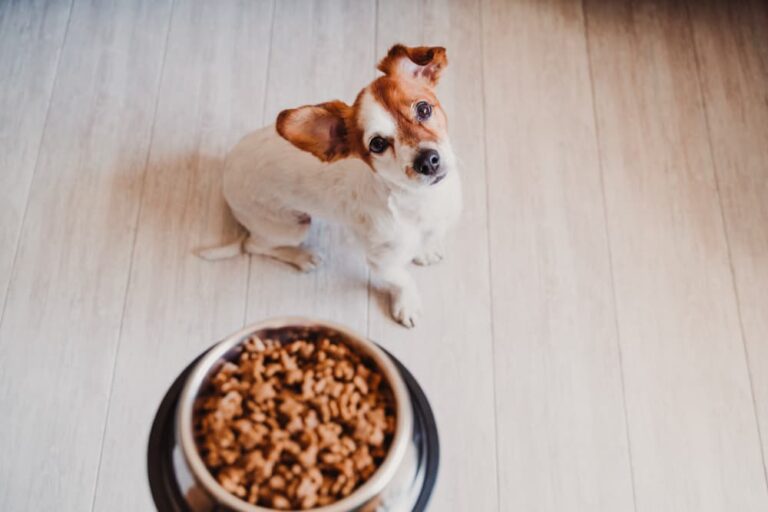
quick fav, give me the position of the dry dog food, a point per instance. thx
(298, 421)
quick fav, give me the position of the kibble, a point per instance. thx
(298, 420)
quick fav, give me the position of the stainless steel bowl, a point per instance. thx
(395, 486)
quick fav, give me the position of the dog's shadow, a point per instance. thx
(182, 210)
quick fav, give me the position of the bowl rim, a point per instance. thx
(361, 496)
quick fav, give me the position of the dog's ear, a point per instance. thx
(319, 129)
(422, 62)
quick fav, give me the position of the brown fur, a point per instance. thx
(331, 131)
(399, 96)
(328, 130)
(430, 61)
(405, 84)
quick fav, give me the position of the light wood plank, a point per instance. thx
(31, 35)
(58, 335)
(692, 425)
(321, 50)
(684, 322)
(450, 351)
(732, 46)
(561, 423)
(212, 93)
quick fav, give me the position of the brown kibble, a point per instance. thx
(231, 479)
(253, 494)
(344, 371)
(262, 391)
(308, 384)
(338, 485)
(277, 483)
(320, 386)
(306, 487)
(333, 405)
(280, 502)
(309, 501)
(310, 420)
(294, 424)
(349, 485)
(255, 344)
(330, 458)
(348, 444)
(253, 460)
(307, 350)
(377, 437)
(226, 438)
(336, 389)
(360, 384)
(346, 467)
(291, 407)
(362, 458)
(230, 405)
(249, 435)
(273, 369)
(294, 376)
(329, 434)
(308, 457)
(229, 456)
(289, 363)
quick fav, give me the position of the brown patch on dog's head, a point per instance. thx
(404, 126)
(410, 75)
(420, 63)
(396, 124)
(398, 97)
(328, 130)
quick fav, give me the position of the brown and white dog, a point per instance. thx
(382, 166)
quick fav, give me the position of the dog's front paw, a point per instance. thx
(406, 308)
(429, 257)
(307, 262)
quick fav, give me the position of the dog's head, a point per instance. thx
(396, 125)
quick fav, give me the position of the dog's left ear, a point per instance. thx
(422, 62)
(319, 129)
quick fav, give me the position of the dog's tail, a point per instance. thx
(229, 250)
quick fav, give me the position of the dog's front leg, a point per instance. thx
(404, 295)
(432, 250)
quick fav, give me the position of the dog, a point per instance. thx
(383, 167)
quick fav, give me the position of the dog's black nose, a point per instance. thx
(427, 162)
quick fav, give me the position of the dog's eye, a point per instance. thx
(378, 145)
(423, 110)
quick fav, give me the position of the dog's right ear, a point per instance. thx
(319, 129)
(420, 63)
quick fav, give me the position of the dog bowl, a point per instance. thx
(180, 482)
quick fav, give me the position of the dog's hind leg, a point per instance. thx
(279, 236)
(299, 257)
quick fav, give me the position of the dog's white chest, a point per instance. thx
(431, 213)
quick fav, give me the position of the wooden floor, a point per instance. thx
(597, 339)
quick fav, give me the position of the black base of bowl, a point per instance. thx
(165, 489)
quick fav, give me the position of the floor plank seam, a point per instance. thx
(489, 253)
(723, 223)
(20, 229)
(617, 330)
(369, 277)
(261, 122)
(133, 252)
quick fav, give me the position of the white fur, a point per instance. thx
(271, 186)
